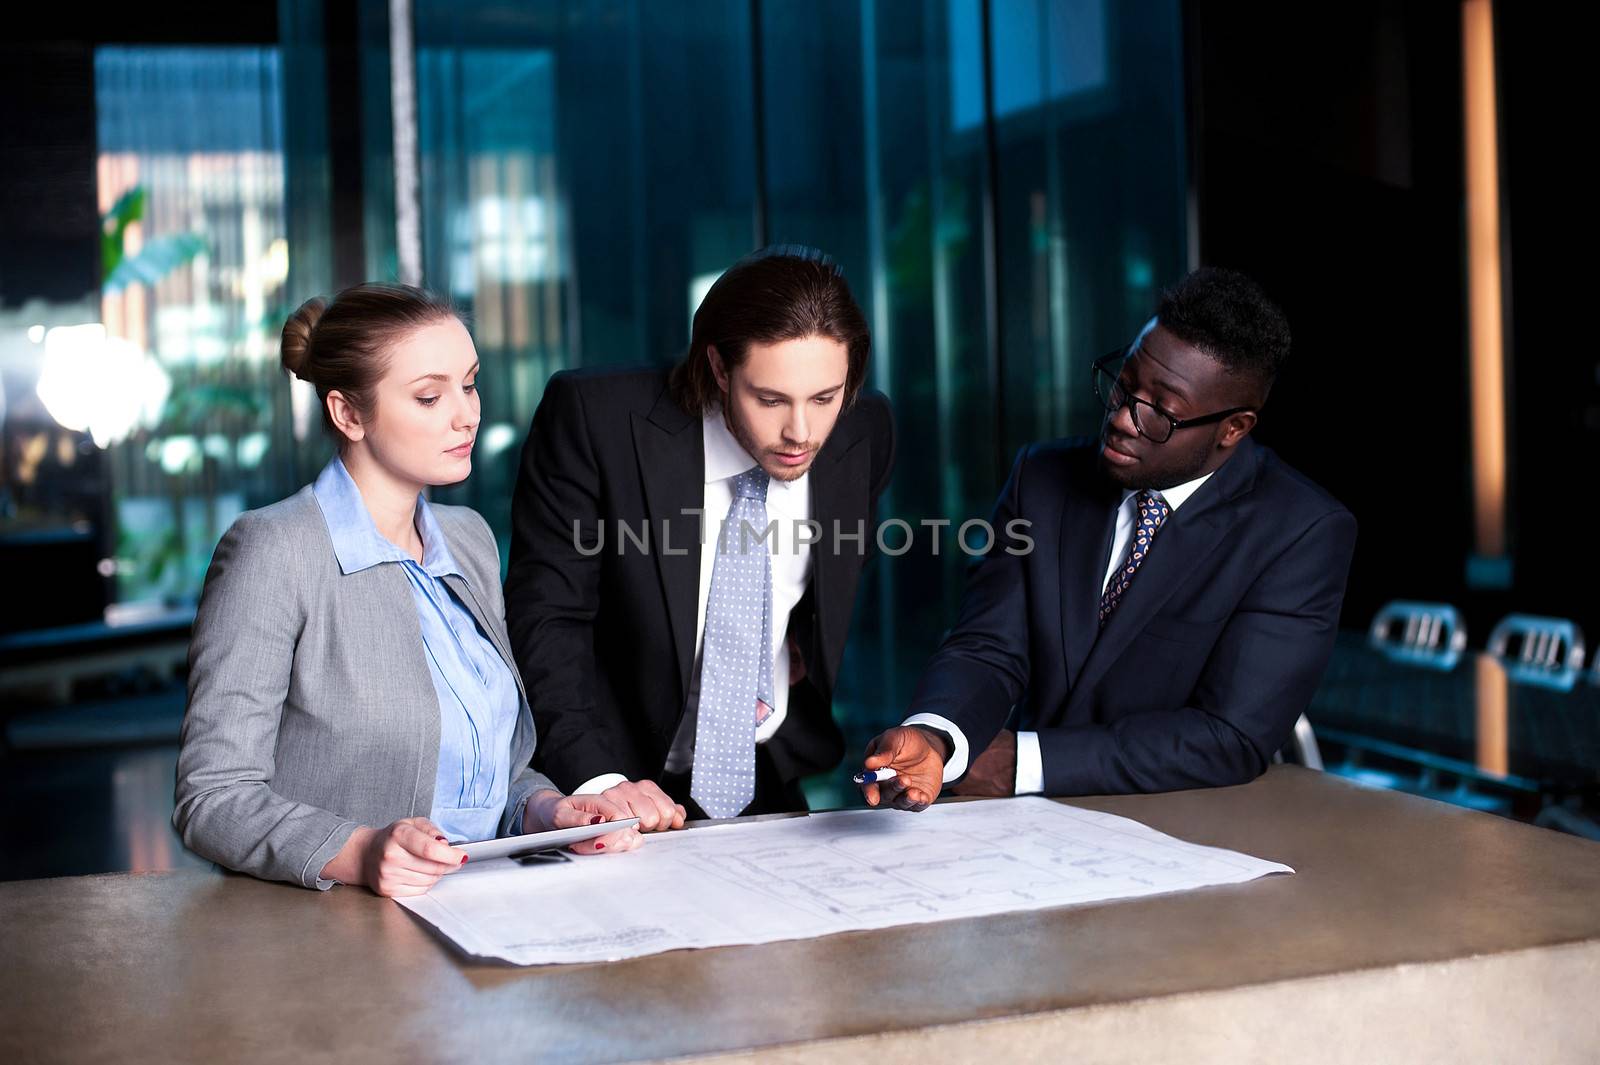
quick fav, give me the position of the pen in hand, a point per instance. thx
(903, 767)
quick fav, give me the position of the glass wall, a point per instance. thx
(194, 260)
(879, 147)
(1002, 180)
(588, 168)
(139, 420)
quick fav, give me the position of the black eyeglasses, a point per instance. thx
(1152, 423)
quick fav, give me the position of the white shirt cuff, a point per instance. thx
(595, 785)
(958, 757)
(1030, 764)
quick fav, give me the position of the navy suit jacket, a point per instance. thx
(1201, 672)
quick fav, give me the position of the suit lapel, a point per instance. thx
(840, 491)
(487, 623)
(1188, 536)
(672, 464)
(1088, 522)
(469, 598)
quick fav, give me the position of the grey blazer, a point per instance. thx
(311, 709)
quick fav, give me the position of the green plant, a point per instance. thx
(158, 256)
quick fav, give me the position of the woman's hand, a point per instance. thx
(550, 809)
(407, 858)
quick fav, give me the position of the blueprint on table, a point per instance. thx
(759, 881)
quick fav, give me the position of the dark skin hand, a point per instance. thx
(994, 772)
(917, 756)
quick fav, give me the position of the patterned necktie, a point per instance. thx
(1153, 511)
(736, 655)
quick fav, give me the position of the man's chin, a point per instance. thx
(779, 471)
(1123, 474)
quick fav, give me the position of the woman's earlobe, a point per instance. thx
(344, 417)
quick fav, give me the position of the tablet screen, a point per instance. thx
(541, 841)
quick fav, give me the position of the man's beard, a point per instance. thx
(754, 449)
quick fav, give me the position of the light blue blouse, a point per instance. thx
(478, 696)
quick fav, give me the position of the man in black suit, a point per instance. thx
(645, 644)
(1181, 598)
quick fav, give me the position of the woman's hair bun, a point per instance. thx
(296, 348)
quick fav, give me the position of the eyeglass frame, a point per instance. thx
(1133, 402)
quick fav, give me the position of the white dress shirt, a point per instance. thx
(1030, 761)
(789, 504)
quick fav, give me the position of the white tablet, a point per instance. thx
(512, 846)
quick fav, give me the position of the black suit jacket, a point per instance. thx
(606, 641)
(1202, 670)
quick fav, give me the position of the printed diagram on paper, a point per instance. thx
(810, 876)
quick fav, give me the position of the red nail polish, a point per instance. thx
(463, 859)
(599, 846)
(441, 839)
(596, 819)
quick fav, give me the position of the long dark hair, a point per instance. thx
(782, 292)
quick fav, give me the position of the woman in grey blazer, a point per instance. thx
(353, 703)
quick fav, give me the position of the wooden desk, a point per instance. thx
(1413, 931)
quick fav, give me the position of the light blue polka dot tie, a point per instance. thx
(1153, 511)
(736, 655)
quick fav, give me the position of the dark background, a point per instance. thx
(1326, 161)
(1324, 157)
(1328, 164)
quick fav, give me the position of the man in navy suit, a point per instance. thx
(1181, 598)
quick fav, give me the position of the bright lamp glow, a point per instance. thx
(105, 386)
(496, 438)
